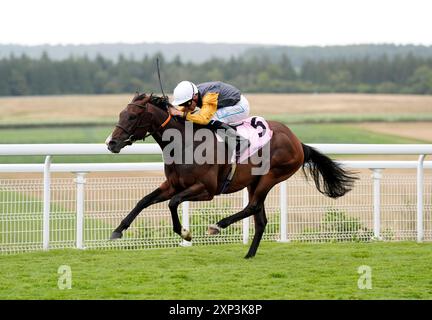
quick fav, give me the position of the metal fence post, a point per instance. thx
(283, 212)
(420, 187)
(246, 221)
(80, 183)
(185, 222)
(46, 203)
(376, 176)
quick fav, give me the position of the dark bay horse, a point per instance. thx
(148, 115)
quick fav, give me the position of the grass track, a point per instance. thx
(308, 133)
(279, 271)
(347, 117)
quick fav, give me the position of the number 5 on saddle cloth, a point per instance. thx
(250, 135)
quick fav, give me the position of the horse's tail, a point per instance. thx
(329, 177)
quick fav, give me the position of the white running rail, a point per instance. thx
(283, 208)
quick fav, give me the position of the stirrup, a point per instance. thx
(230, 176)
(233, 170)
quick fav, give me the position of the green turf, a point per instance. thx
(349, 117)
(289, 118)
(67, 135)
(279, 271)
(308, 133)
(344, 133)
(56, 135)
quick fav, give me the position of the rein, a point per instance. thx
(131, 139)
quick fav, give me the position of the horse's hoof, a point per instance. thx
(213, 229)
(186, 235)
(116, 235)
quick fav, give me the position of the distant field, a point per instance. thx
(105, 108)
(56, 109)
(340, 104)
(319, 118)
(418, 130)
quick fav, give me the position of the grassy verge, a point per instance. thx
(67, 135)
(308, 133)
(295, 118)
(279, 271)
(349, 117)
(344, 133)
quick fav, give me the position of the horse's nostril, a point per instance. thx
(111, 145)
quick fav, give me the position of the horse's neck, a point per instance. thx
(172, 124)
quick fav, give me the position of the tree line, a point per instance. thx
(407, 74)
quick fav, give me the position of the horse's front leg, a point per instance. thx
(164, 192)
(196, 192)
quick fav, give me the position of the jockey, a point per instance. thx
(216, 104)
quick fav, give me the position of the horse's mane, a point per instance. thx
(160, 102)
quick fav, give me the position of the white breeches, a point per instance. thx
(235, 113)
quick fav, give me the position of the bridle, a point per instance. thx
(131, 138)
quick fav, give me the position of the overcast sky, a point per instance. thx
(300, 22)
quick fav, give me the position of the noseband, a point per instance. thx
(131, 139)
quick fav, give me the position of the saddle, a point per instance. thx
(258, 132)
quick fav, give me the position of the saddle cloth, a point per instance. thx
(256, 130)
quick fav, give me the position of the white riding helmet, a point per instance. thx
(184, 92)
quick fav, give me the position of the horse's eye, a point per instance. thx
(133, 117)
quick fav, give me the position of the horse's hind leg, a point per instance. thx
(225, 222)
(257, 196)
(260, 224)
(164, 192)
(255, 209)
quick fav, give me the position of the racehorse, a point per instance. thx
(148, 115)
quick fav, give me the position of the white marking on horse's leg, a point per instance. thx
(213, 229)
(186, 234)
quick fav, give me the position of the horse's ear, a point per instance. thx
(135, 96)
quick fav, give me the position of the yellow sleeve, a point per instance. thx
(208, 109)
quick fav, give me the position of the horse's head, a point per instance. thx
(135, 121)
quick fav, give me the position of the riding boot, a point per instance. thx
(236, 143)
